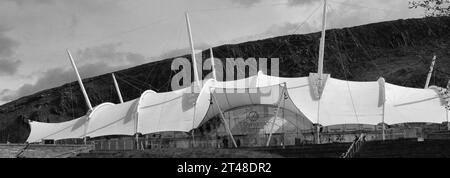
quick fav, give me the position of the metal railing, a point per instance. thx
(18, 155)
(354, 147)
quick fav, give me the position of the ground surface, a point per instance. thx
(180, 153)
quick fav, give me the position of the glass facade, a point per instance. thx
(252, 124)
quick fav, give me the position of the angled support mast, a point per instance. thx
(191, 42)
(227, 127)
(446, 116)
(212, 63)
(446, 109)
(383, 129)
(430, 72)
(276, 115)
(116, 85)
(322, 41)
(194, 61)
(320, 82)
(381, 83)
(83, 90)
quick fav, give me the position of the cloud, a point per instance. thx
(278, 30)
(91, 62)
(350, 13)
(73, 23)
(5, 92)
(56, 77)
(249, 3)
(288, 28)
(110, 54)
(7, 44)
(8, 65)
(183, 51)
(246, 3)
(82, 6)
(301, 2)
(31, 2)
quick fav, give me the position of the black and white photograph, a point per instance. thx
(224, 79)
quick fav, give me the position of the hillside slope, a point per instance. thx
(400, 51)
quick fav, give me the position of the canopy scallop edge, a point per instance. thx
(342, 102)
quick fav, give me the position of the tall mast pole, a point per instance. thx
(322, 41)
(320, 64)
(383, 128)
(430, 72)
(191, 42)
(212, 64)
(117, 88)
(446, 116)
(276, 115)
(194, 61)
(227, 126)
(446, 110)
(83, 90)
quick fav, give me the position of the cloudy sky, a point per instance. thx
(107, 35)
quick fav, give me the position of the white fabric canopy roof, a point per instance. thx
(172, 111)
(228, 98)
(348, 102)
(342, 102)
(113, 119)
(405, 104)
(53, 131)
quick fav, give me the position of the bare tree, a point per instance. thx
(433, 8)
